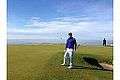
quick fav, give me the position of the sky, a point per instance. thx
(53, 19)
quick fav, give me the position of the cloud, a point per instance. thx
(85, 26)
(87, 19)
(84, 6)
(23, 36)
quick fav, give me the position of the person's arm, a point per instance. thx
(75, 45)
(66, 45)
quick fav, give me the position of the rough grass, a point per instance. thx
(42, 62)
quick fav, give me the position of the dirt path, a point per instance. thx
(106, 66)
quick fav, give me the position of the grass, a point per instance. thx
(42, 62)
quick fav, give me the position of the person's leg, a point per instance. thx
(105, 44)
(71, 59)
(65, 57)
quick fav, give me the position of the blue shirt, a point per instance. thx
(70, 42)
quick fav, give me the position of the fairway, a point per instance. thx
(42, 62)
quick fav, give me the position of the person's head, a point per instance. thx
(104, 38)
(70, 34)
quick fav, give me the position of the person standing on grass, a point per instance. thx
(69, 49)
(104, 42)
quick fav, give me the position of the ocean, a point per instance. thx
(54, 41)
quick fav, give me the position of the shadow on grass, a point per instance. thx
(89, 68)
(58, 58)
(93, 62)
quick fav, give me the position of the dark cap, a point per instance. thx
(69, 33)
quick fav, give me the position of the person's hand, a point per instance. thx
(64, 50)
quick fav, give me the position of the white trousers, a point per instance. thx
(69, 53)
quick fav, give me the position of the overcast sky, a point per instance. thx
(53, 19)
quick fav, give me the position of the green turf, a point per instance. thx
(42, 62)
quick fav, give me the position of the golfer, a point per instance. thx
(69, 50)
(104, 42)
